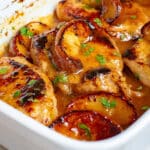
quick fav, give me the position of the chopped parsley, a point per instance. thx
(85, 128)
(32, 82)
(54, 65)
(145, 107)
(117, 54)
(62, 78)
(3, 70)
(140, 39)
(139, 88)
(30, 99)
(26, 32)
(122, 36)
(106, 103)
(87, 6)
(133, 17)
(84, 45)
(98, 1)
(89, 51)
(13, 28)
(61, 24)
(17, 93)
(98, 22)
(33, 100)
(101, 59)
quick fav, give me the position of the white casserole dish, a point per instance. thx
(19, 132)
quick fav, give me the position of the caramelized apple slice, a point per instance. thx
(86, 9)
(26, 88)
(138, 57)
(41, 46)
(20, 43)
(96, 80)
(110, 106)
(76, 41)
(73, 9)
(86, 125)
(128, 25)
(68, 44)
(146, 31)
(111, 10)
(78, 49)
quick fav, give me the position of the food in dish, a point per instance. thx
(26, 88)
(86, 77)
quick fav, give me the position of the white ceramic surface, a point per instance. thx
(19, 132)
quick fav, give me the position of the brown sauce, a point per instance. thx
(138, 102)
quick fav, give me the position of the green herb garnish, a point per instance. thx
(98, 1)
(106, 103)
(3, 70)
(61, 24)
(17, 94)
(122, 37)
(145, 107)
(133, 17)
(54, 65)
(137, 76)
(32, 82)
(13, 28)
(25, 31)
(87, 6)
(35, 100)
(62, 78)
(140, 39)
(139, 88)
(85, 128)
(89, 51)
(83, 45)
(101, 59)
(98, 21)
(117, 54)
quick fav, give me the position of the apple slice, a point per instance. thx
(114, 107)
(20, 43)
(85, 125)
(41, 47)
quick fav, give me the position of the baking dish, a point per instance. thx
(21, 132)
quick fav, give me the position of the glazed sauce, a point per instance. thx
(142, 98)
(138, 101)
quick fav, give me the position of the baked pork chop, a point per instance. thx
(27, 89)
(138, 57)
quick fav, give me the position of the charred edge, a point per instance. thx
(107, 42)
(14, 73)
(72, 23)
(16, 64)
(30, 92)
(94, 73)
(130, 54)
(62, 2)
(145, 28)
(61, 119)
(40, 42)
(73, 64)
(115, 128)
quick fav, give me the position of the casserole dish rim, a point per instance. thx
(58, 138)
